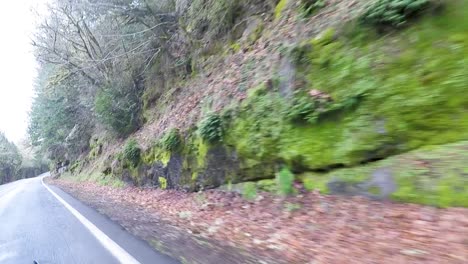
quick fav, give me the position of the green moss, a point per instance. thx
(156, 153)
(434, 176)
(386, 95)
(324, 38)
(201, 151)
(235, 47)
(267, 186)
(162, 183)
(256, 129)
(390, 94)
(194, 176)
(313, 181)
(280, 7)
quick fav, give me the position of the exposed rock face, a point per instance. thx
(221, 165)
(287, 72)
(328, 105)
(380, 185)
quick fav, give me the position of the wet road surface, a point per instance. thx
(51, 227)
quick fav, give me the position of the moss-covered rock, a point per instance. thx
(388, 95)
(435, 176)
(356, 100)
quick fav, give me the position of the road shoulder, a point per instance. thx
(173, 241)
(137, 248)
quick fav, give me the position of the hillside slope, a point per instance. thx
(309, 94)
(201, 94)
(244, 136)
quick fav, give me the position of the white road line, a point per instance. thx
(119, 253)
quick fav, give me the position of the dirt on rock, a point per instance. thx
(215, 225)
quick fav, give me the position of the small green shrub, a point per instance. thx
(393, 13)
(214, 19)
(268, 185)
(132, 152)
(285, 180)
(309, 7)
(76, 166)
(171, 141)
(118, 109)
(211, 128)
(249, 192)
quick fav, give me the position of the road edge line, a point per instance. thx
(117, 251)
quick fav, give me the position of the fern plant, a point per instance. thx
(171, 141)
(211, 128)
(309, 7)
(132, 152)
(393, 13)
(305, 108)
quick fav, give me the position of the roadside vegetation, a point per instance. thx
(270, 125)
(19, 162)
(200, 94)
(10, 160)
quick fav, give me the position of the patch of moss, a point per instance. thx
(197, 149)
(235, 47)
(434, 176)
(156, 153)
(280, 7)
(390, 94)
(256, 129)
(194, 176)
(313, 181)
(162, 183)
(267, 186)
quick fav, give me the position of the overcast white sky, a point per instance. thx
(17, 66)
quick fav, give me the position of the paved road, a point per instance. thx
(36, 225)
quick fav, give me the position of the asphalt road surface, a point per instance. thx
(42, 223)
